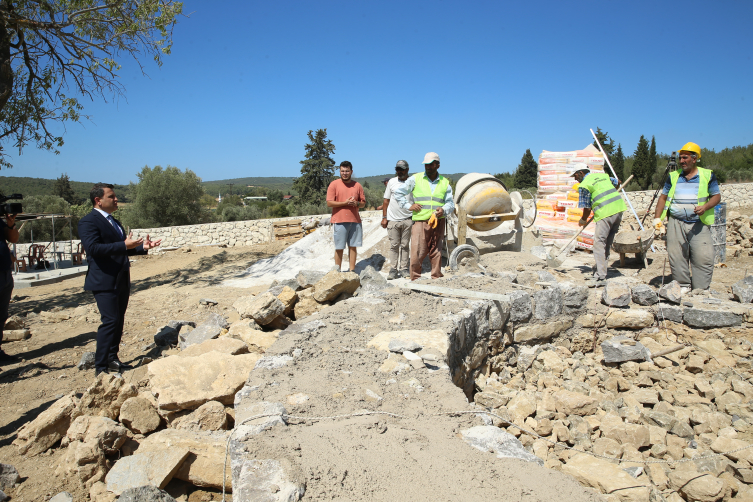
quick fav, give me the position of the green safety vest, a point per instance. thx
(605, 199)
(422, 194)
(707, 218)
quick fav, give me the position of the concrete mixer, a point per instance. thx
(483, 204)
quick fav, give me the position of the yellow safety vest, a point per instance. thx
(429, 200)
(605, 199)
(707, 218)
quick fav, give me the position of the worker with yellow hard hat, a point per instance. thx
(687, 203)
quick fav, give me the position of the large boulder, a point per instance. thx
(154, 468)
(547, 303)
(606, 477)
(288, 297)
(671, 292)
(262, 309)
(520, 306)
(707, 318)
(139, 415)
(616, 294)
(9, 477)
(105, 397)
(212, 327)
(643, 294)
(573, 403)
(107, 434)
(333, 284)
(742, 290)
(204, 464)
(182, 383)
(210, 416)
(225, 345)
(83, 461)
(307, 306)
(48, 428)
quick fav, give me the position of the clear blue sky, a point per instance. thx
(478, 82)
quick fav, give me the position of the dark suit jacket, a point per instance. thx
(106, 253)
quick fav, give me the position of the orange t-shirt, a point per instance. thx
(340, 192)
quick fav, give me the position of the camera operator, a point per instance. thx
(10, 234)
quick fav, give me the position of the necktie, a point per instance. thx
(115, 225)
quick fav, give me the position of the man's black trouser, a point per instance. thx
(6, 290)
(112, 307)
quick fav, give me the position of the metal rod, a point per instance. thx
(606, 157)
(54, 244)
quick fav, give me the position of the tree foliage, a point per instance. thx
(165, 197)
(652, 160)
(606, 142)
(508, 179)
(642, 171)
(318, 168)
(618, 163)
(54, 51)
(526, 175)
(62, 188)
(42, 229)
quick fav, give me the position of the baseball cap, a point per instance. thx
(401, 164)
(430, 157)
(385, 180)
(580, 171)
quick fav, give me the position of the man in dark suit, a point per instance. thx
(107, 250)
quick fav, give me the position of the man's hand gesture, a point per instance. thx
(132, 243)
(149, 244)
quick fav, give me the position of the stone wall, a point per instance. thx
(735, 195)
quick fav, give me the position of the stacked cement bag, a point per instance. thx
(558, 194)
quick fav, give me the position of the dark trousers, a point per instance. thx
(112, 308)
(6, 290)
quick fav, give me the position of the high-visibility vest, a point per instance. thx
(707, 218)
(429, 200)
(605, 199)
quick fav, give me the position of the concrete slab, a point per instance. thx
(43, 277)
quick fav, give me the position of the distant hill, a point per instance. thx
(40, 186)
(285, 184)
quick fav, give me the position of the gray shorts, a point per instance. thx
(348, 233)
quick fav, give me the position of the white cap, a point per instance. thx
(430, 157)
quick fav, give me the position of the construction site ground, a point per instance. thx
(419, 456)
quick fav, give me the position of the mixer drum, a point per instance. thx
(482, 194)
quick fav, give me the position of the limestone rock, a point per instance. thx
(83, 461)
(521, 406)
(606, 477)
(400, 346)
(491, 399)
(148, 468)
(62, 497)
(98, 493)
(139, 415)
(333, 284)
(257, 340)
(548, 303)
(726, 444)
(107, 434)
(552, 362)
(537, 333)
(188, 382)
(105, 397)
(616, 294)
(573, 297)
(288, 297)
(224, 345)
(9, 477)
(742, 290)
(247, 406)
(621, 348)
(307, 306)
(16, 335)
(211, 328)
(48, 428)
(210, 416)
(520, 306)
(706, 318)
(643, 294)
(695, 486)
(613, 427)
(671, 292)
(204, 464)
(269, 480)
(145, 494)
(87, 361)
(14, 322)
(279, 323)
(572, 403)
(489, 438)
(668, 313)
(307, 278)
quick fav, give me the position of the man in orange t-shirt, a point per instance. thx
(345, 196)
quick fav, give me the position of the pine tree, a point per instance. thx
(652, 160)
(618, 163)
(607, 143)
(62, 188)
(527, 172)
(317, 170)
(642, 171)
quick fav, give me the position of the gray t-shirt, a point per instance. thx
(394, 211)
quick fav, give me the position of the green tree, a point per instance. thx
(652, 161)
(53, 52)
(618, 163)
(317, 170)
(164, 198)
(526, 175)
(642, 171)
(42, 229)
(606, 142)
(507, 179)
(62, 188)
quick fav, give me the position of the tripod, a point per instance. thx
(671, 165)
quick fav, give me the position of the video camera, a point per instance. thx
(672, 165)
(12, 207)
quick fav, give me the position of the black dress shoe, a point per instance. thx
(118, 367)
(97, 372)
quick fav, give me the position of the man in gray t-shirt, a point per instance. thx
(398, 222)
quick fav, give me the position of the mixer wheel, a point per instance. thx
(460, 252)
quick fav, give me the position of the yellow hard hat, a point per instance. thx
(576, 186)
(692, 147)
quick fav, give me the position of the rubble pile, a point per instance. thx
(739, 235)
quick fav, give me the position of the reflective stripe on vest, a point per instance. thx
(704, 176)
(605, 200)
(430, 200)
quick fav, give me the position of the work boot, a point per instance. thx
(405, 273)
(393, 274)
(596, 283)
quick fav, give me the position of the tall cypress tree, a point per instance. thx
(642, 171)
(606, 142)
(618, 163)
(62, 188)
(527, 172)
(317, 170)
(652, 160)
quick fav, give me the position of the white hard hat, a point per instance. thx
(430, 157)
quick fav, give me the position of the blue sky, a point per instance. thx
(478, 82)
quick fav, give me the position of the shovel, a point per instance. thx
(555, 261)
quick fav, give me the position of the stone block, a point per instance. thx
(668, 313)
(105, 397)
(211, 328)
(621, 349)
(606, 477)
(139, 415)
(288, 297)
(743, 289)
(573, 403)
(9, 477)
(643, 294)
(87, 361)
(547, 303)
(537, 333)
(520, 306)
(307, 306)
(16, 335)
(333, 284)
(573, 297)
(210, 416)
(616, 294)
(489, 438)
(107, 434)
(141, 469)
(706, 318)
(48, 428)
(265, 479)
(144, 494)
(307, 278)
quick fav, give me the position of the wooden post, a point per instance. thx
(462, 226)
